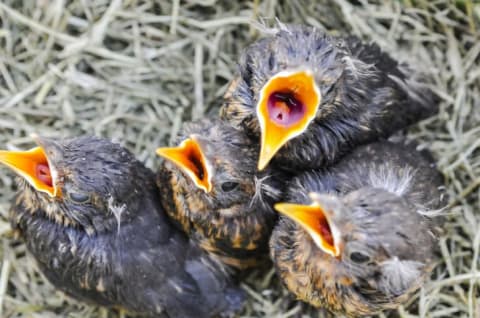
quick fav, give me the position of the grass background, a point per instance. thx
(135, 70)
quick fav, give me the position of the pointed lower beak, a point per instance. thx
(189, 157)
(316, 223)
(288, 103)
(33, 166)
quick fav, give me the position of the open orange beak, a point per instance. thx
(189, 157)
(288, 103)
(316, 221)
(34, 167)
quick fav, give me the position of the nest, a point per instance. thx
(134, 71)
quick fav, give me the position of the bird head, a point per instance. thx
(217, 165)
(289, 80)
(375, 238)
(85, 181)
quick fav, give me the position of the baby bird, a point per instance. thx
(310, 98)
(357, 238)
(91, 216)
(209, 184)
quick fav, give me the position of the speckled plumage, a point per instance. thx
(234, 225)
(365, 94)
(117, 248)
(379, 197)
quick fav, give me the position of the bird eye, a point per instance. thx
(79, 197)
(358, 257)
(229, 186)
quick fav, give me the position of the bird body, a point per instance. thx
(358, 238)
(309, 98)
(210, 186)
(104, 238)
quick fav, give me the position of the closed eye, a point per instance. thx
(229, 186)
(79, 197)
(359, 258)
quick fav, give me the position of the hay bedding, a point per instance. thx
(134, 71)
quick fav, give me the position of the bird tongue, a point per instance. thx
(325, 231)
(33, 166)
(284, 109)
(42, 172)
(189, 157)
(315, 221)
(288, 103)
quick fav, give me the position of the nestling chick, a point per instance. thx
(209, 184)
(310, 97)
(91, 216)
(357, 239)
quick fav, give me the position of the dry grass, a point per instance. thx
(133, 71)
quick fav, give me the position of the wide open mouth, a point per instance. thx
(288, 103)
(34, 167)
(189, 157)
(316, 221)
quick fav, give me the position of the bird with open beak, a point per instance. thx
(359, 237)
(90, 214)
(309, 98)
(210, 185)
